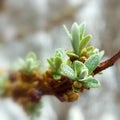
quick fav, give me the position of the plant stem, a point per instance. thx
(108, 63)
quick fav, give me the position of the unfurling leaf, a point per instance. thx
(71, 54)
(56, 76)
(62, 54)
(90, 50)
(83, 74)
(82, 27)
(78, 66)
(91, 82)
(68, 33)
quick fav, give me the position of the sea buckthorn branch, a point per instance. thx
(108, 63)
(70, 72)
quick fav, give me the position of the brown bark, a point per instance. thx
(107, 63)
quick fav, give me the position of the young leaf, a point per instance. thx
(83, 74)
(56, 76)
(82, 30)
(51, 63)
(84, 42)
(90, 50)
(92, 62)
(91, 82)
(62, 54)
(68, 71)
(101, 54)
(29, 64)
(71, 54)
(69, 63)
(75, 37)
(68, 33)
(78, 66)
(58, 62)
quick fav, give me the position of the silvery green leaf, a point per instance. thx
(57, 76)
(61, 53)
(83, 74)
(92, 62)
(84, 42)
(69, 63)
(91, 82)
(96, 50)
(78, 66)
(82, 27)
(29, 64)
(68, 72)
(71, 54)
(90, 50)
(51, 63)
(68, 33)
(58, 62)
(75, 37)
(101, 54)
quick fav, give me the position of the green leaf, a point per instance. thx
(82, 27)
(90, 50)
(75, 37)
(29, 64)
(71, 54)
(68, 71)
(101, 54)
(56, 76)
(92, 62)
(61, 53)
(58, 62)
(84, 42)
(68, 33)
(83, 74)
(78, 66)
(91, 82)
(51, 63)
(69, 63)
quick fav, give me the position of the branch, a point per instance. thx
(107, 63)
(26, 89)
(68, 75)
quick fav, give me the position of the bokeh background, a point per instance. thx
(36, 25)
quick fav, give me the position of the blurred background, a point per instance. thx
(37, 25)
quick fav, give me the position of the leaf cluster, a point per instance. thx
(78, 69)
(29, 64)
